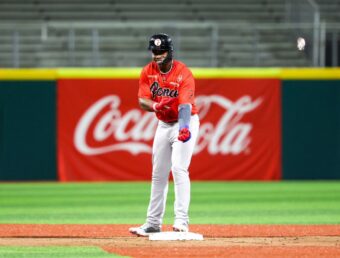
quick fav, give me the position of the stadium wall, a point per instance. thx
(310, 118)
(27, 130)
(311, 129)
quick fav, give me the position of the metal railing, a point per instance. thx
(306, 12)
(100, 44)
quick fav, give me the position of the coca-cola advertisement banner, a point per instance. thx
(103, 135)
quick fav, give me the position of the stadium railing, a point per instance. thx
(65, 44)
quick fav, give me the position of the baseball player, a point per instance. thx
(167, 87)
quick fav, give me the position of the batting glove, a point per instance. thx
(164, 104)
(184, 134)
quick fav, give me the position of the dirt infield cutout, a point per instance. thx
(219, 240)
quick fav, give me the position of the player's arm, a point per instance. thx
(144, 94)
(146, 104)
(184, 115)
(186, 97)
(152, 106)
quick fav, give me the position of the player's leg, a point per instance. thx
(181, 158)
(161, 165)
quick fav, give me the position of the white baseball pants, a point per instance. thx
(168, 153)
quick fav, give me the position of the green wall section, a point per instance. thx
(311, 129)
(28, 130)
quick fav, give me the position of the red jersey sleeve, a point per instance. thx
(144, 91)
(187, 89)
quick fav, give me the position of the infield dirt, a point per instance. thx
(220, 240)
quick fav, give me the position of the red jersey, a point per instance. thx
(178, 83)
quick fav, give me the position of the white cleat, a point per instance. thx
(180, 227)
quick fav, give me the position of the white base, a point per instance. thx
(171, 236)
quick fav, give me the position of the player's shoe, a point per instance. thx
(145, 230)
(180, 227)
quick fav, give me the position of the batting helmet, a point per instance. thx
(160, 42)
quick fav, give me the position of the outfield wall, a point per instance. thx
(290, 131)
(311, 129)
(27, 130)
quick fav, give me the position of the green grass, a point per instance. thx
(312, 202)
(55, 252)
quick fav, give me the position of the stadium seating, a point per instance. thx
(214, 33)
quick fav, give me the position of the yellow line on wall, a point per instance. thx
(98, 73)
(28, 74)
(310, 73)
(199, 73)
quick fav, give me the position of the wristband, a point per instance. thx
(154, 107)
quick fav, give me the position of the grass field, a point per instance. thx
(312, 202)
(54, 252)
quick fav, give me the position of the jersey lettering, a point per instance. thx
(158, 91)
(178, 83)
